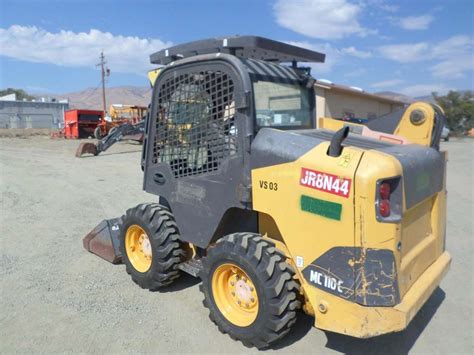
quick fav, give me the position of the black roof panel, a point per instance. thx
(241, 46)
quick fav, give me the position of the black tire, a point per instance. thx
(167, 249)
(272, 276)
(112, 130)
(97, 133)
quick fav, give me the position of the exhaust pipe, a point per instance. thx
(335, 148)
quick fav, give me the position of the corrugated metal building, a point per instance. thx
(32, 114)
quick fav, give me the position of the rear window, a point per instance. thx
(282, 105)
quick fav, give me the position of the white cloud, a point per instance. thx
(453, 56)
(416, 22)
(325, 19)
(453, 68)
(387, 83)
(456, 45)
(425, 89)
(333, 56)
(356, 52)
(380, 4)
(406, 53)
(124, 54)
(356, 73)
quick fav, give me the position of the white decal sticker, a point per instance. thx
(325, 281)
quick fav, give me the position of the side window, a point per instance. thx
(195, 127)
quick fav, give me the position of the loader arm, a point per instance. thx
(419, 123)
(126, 130)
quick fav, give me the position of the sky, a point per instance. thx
(409, 47)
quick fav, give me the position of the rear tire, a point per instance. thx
(154, 226)
(272, 278)
(98, 133)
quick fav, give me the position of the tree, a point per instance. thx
(20, 94)
(459, 110)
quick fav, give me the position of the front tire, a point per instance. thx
(249, 289)
(151, 246)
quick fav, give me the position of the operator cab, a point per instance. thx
(282, 93)
(210, 101)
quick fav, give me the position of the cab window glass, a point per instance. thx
(281, 105)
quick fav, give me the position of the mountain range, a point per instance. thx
(91, 98)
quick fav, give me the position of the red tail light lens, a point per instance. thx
(389, 200)
(384, 191)
(384, 208)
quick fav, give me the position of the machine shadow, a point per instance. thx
(105, 154)
(303, 325)
(185, 281)
(394, 343)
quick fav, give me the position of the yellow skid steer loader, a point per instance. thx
(345, 221)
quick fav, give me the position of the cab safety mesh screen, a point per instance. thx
(195, 128)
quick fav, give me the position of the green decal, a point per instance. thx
(422, 182)
(321, 207)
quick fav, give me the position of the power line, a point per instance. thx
(92, 92)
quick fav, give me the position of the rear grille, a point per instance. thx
(195, 129)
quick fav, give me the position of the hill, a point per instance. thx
(396, 96)
(92, 98)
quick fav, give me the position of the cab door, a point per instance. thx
(194, 154)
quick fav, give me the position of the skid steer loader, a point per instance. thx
(345, 221)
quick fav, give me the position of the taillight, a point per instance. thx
(384, 190)
(384, 208)
(388, 200)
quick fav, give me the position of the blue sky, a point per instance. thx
(412, 47)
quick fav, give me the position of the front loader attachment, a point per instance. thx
(124, 131)
(86, 148)
(104, 240)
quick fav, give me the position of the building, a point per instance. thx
(41, 114)
(339, 101)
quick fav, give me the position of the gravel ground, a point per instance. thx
(56, 297)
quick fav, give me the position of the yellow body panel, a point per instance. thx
(417, 241)
(152, 75)
(333, 124)
(307, 230)
(363, 322)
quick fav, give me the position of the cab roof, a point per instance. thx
(251, 47)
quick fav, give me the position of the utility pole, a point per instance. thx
(104, 73)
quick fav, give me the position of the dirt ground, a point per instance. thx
(56, 297)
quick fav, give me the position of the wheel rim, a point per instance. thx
(235, 294)
(138, 248)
